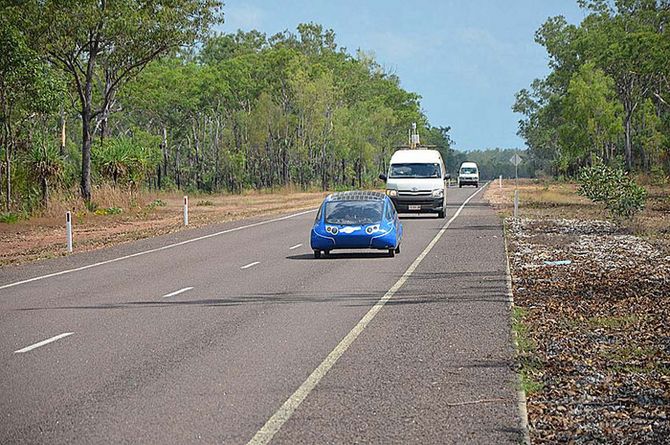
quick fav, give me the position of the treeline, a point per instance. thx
(494, 162)
(608, 93)
(144, 95)
(248, 111)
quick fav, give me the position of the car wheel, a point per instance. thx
(460, 185)
(440, 214)
(476, 185)
(326, 252)
(391, 253)
(317, 254)
(397, 249)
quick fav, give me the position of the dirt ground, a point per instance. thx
(591, 316)
(150, 215)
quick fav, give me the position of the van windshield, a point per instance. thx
(415, 171)
(468, 171)
(354, 212)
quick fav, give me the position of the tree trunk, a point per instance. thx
(7, 139)
(8, 173)
(44, 183)
(86, 152)
(86, 117)
(177, 168)
(165, 153)
(103, 130)
(217, 156)
(628, 146)
(62, 131)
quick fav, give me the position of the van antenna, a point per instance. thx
(413, 139)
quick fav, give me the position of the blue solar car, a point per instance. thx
(356, 220)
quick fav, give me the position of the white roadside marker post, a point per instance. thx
(500, 182)
(68, 230)
(186, 210)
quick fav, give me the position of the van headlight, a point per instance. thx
(392, 193)
(439, 193)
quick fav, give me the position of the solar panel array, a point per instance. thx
(357, 196)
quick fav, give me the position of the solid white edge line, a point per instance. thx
(158, 249)
(43, 342)
(274, 423)
(250, 265)
(522, 404)
(177, 292)
(295, 247)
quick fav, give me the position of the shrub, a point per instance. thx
(9, 218)
(612, 186)
(109, 211)
(156, 203)
(91, 206)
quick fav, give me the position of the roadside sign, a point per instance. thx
(516, 160)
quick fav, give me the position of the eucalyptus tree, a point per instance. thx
(103, 44)
(592, 117)
(628, 41)
(27, 87)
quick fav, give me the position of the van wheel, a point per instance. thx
(460, 185)
(476, 185)
(440, 214)
(391, 253)
(317, 254)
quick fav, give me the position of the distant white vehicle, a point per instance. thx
(468, 174)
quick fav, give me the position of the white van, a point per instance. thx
(416, 181)
(468, 174)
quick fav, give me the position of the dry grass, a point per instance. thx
(548, 199)
(44, 236)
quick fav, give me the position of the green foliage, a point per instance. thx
(250, 111)
(607, 92)
(100, 46)
(90, 206)
(530, 366)
(109, 211)
(127, 160)
(45, 160)
(613, 187)
(9, 217)
(591, 117)
(156, 203)
(241, 111)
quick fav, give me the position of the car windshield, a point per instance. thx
(354, 212)
(468, 170)
(415, 171)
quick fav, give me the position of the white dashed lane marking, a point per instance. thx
(43, 342)
(177, 292)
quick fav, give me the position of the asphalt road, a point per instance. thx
(206, 341)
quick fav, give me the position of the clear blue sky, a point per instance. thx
(465, 58)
